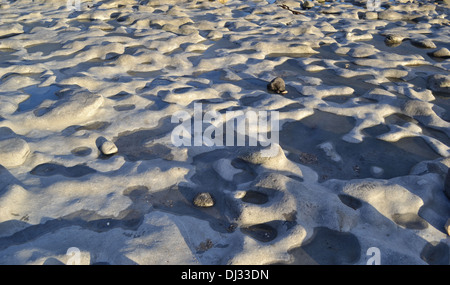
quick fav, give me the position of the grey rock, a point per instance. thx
(204, 200)
(277, 85)
(307, 4)
(108, 148)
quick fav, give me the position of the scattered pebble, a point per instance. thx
(394, 40)
(376, 171)
(447, 227)
(307, 5)
(277, 85)
(108, 148)
(203, 200)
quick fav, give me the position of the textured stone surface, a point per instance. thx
(108, 148)
(13, 152)
(277, 85)
(439, 82)
(359, 150)
(203, 200)
(442, 52)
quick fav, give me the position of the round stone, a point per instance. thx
(277, 85)
(108, 148)
(13, 152)
(447, 185)
(203, 200)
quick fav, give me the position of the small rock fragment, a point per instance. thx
(390, 15)
(393, 40)
(203, 200)
(108, 148)
(447, 227)
(330, 151)
(307, 4)
(277, 85)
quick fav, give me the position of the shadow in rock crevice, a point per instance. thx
(50, 169)
(357, 160)
(134, 145)
(6, 178)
